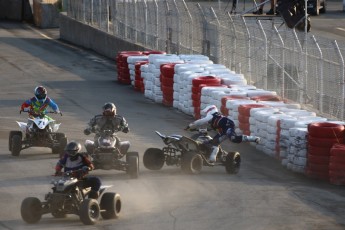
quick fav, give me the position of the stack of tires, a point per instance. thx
(244, 115)
(197, 84)
(167, 83)
(138, 80)
(337, 165)
(321, 138)
(123, 75)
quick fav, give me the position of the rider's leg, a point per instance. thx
(244, 138)
(230, 133)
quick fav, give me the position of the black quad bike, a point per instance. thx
(69, 197)
(191, 154)
(107, 153)
(40, 132)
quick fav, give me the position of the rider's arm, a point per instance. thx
(200, 122)
(25, 105)
(54, 106)
(88, 163)
(124, 125)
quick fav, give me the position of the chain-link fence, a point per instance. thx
(300, 67)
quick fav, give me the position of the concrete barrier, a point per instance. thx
(92, 38)
(46, 14)
(17, 10)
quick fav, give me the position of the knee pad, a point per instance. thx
(236, 139)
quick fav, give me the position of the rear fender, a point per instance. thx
(103, 188)
(22, 125)
(88, 143)
(55, 127)
(124, 146)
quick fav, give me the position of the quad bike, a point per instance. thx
(108, 150)
(41, 133)
(69, 197)
(191, 154)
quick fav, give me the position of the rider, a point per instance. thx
(38, 104)
(74, 160)
(108, 120)
(225, 129)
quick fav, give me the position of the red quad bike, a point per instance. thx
(191, 154)
(69, 197)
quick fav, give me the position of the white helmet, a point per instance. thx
(209, 110)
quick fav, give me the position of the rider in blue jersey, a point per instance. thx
(225, 128)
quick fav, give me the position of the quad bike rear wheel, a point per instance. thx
(110, 205)
(16, 145)
(89, 211)
(62, 142)
(133, 166)
(233, 162)
(31, 210)
(153, 158)
(192, 163)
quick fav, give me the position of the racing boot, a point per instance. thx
(93, 195)
(246, 138)
(213, 156)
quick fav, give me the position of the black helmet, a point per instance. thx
(72, 149)
(40, 93)
(109, 109)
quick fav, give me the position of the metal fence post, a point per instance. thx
(342, 76)
(218, 45)
(190, 28)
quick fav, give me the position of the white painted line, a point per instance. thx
(342, 29)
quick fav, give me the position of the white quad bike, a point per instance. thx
(41, 133)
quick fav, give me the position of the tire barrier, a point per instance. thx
(139, 81)
(299, 139)
(123, 75)
(322, 136)
(337, 165)
(167, 83)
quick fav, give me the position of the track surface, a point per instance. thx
(263, 195)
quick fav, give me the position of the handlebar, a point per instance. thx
(38, 114)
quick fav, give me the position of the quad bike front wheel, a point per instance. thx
(192, 163)
(110, 205)
(153, 158)
(233, 162)
(89, 211)
(12, 133)
(31, 210)
(16, 144)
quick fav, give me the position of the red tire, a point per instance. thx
(319, 151)
(327, 130)
(206, 80)
(266, 98)
(323, 142)
(315, 159)
(245, 109)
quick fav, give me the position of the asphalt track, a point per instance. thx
(263, 196)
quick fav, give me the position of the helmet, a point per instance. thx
(72, 149)
(41, 93)
(109, 109)
(209, 110)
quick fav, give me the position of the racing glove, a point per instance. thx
(125, 130)
(87, 131)
(86, 169)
